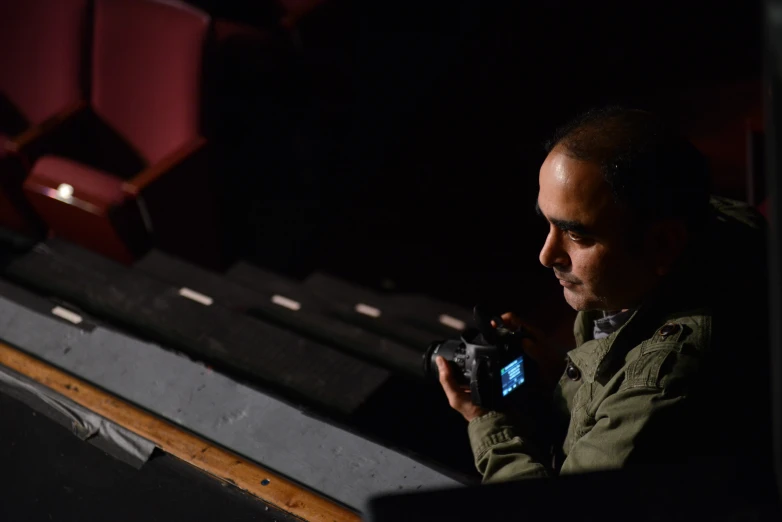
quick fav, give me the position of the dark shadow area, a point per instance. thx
(699, 491)
(396, 145)
(55, 476)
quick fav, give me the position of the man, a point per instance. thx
(671, 356)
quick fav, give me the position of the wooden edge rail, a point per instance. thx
(221, 464)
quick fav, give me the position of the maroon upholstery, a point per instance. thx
(84, 216)
(41, 75)
(147, 61)
(41, 61)
(147, 65)
(89, 184)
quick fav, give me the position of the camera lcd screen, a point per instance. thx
(512, 376)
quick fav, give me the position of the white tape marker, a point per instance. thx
(69, 316)
(195, 296)
(285, 302)
(371, 311)
(453, 322)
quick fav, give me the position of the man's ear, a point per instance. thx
(666, 242)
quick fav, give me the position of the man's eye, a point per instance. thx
(573, 236)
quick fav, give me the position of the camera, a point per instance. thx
(490, 359)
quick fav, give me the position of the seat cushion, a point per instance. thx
(89, 184)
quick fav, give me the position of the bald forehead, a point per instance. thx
(572, 177)
(574, 190)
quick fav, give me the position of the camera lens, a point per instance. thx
(447, 350)
(430, 365)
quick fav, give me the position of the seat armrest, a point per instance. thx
(40, 139)
(188, 158)
(177, 202)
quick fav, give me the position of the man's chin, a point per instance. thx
(572, 299)
(577, 302)
(582, 304)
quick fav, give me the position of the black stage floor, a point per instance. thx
(48, 474)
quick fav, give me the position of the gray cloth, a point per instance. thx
(609, 323)
(88, 426)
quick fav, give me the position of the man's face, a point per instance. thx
(588, 244)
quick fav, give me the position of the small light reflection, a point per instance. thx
(65, 191)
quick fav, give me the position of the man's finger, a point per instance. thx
(448, 382)
(458, 398)
(508, 319)
(446, 379)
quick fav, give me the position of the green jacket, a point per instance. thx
(658, 388)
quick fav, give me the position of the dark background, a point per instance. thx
(397, 144)
(53, 475)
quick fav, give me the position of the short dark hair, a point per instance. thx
(655, 172)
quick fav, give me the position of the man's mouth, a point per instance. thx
(565, 282)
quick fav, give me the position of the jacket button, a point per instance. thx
(669, 329)
(572, 372)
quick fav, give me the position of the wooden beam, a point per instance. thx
(225, 466)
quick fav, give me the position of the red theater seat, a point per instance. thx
(763, 208)
(130, 169)
(41, 75)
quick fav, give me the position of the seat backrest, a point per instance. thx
(42, 55)
(147, 72)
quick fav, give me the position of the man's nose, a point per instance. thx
(552, 253)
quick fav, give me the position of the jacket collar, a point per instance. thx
(597, 358)
(593, 356)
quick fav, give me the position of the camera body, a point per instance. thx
(489, 359)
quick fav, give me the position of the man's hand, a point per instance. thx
(458, 397)
(513, 321)
(551, 366)
(551, 363)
